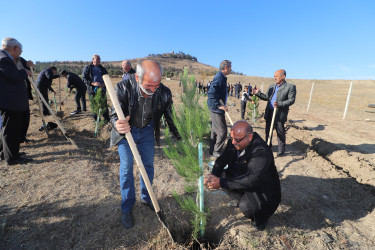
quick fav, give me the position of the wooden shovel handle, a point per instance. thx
(129, 138)
(272, 124)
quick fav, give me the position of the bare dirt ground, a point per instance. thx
(70, 198)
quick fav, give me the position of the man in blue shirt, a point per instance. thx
(128, 70)
(281, 95)
(216, 102)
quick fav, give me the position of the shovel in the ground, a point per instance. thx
(62, 102)
(137, 157)
(58, 113)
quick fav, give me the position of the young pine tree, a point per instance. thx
(192, 122)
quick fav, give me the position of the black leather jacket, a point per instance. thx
(127, 94)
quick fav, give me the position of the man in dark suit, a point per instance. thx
(23, 64)
(13, 102)
(251, 178)
(281, 95)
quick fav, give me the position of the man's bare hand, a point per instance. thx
(225, 108)
(30, 64)
(123, 126)
(275, 105)
(212, 182)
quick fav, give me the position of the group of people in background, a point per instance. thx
(244, 166)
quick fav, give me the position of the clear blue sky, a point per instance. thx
(316, 39)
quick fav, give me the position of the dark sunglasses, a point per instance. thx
(238, 140)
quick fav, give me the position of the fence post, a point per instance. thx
(312, 89)
(348, 100)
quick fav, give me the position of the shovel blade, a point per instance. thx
(163, 221)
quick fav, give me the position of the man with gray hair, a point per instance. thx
(144, 100)
(216, 102)
(13, 102)
(280, 95)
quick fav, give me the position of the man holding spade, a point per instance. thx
(144, 100)
(280, 95)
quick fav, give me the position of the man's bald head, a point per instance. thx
(279, 76)
(242, 134)
(242, 126)
(148, 76)
(126, 65)
(150, 67)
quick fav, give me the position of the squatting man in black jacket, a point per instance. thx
(144, 100)
(251, 178)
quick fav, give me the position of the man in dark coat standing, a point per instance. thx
(13, 102)
(74, 81)
(93, 78)
(281, 95)
(23, 64)
(251, 178)
(44, 83)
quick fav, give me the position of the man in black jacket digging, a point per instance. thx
(74, 81)
(144, 100)
(251, 177)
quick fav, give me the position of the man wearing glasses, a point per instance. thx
(251, 178)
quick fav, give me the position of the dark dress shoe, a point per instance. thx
(279, 154)
(75, 112)
(21, 153)
(261, 225)
(28, 140)
(148, 204)
(19, 161)
(127, 220)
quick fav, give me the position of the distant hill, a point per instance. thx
(173, 64)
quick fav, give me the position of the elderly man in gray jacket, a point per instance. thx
(281, 95)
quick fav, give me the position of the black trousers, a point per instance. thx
(44, 93)
(280, 131)
(253, 205)
(81, 96)
(25, 125)
(11, 134)
(243, 109)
